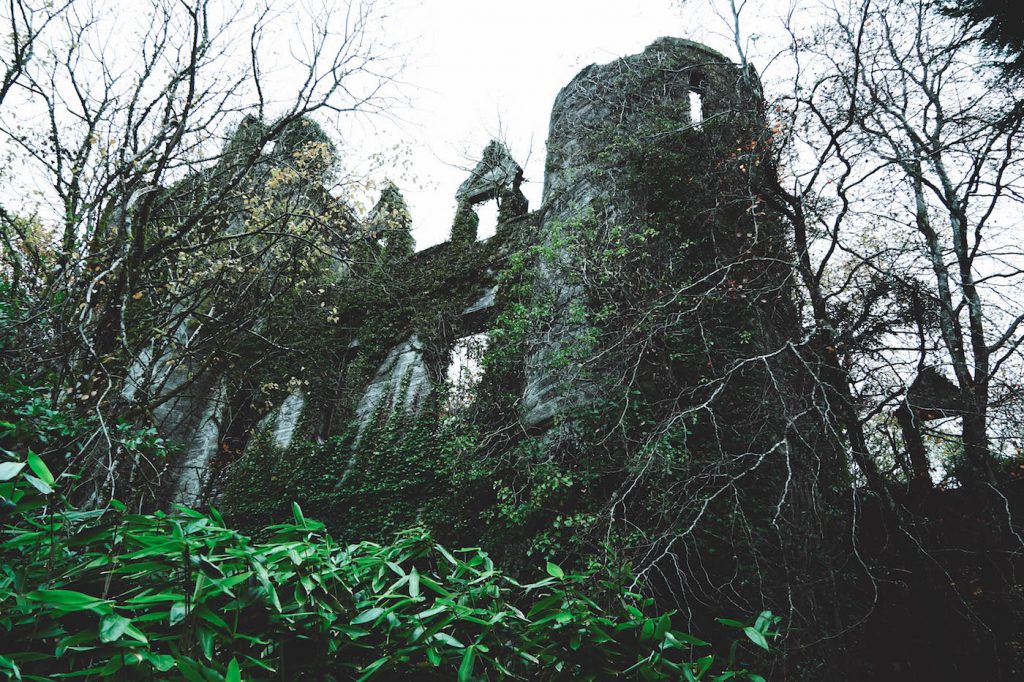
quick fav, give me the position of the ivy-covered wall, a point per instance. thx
(367, 454)
(617, 379)
(640, 393)
(598, 370)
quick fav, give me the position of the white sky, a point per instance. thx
(477, 70)
(483, 68)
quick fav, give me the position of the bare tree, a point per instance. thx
(178, 179)
(900, 175)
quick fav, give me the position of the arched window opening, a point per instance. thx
(465, 370)
(488, 214)
(696, 99)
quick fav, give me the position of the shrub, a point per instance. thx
(107, 593)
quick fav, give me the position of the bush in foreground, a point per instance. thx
(108, 594)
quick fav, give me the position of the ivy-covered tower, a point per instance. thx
(620, 134)
(663, 369)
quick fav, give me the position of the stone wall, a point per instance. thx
(379, 372)
(602, 104)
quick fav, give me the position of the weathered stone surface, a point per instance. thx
(390, 223)
(496, 171)
(401, 381)
(192, 470)
(600, 104)
(287, 418)
(486, 300)
(192, 419)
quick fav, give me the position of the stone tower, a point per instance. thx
(603, 106)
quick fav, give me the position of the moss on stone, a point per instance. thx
(465, 225)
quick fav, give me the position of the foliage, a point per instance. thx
(173, 207)
(721, 344)
(999, 26)
(366, 317)
(38, 415)
(107, 593)
(390, 222)
(465, 224)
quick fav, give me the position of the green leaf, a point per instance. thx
(555, 571)
(447, 555)
(135, 634)
(449, 640)
(234, 673)
(414, 583)
(39, 484)
(206, 566)
(756, 637)
(67, 600)
(662, 627)
(161, 662)
(112, 626)
(9, 470)
(300, 520)
(764, 619)
(466, 667)
(154, 598)
(368, 615)
(369, 670)
(687, 638)
(731, 623)
(10, 665)
(190, 670)
(39, 467)
(177, 613)
(432, 585)
(210, 617)
(206, 638)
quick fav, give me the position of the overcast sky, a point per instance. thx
(476, 70)
(482, 68)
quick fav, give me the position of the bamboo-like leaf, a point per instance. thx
(112, 626)
(39, 484)
(466, 666)
(37, 465)
(234, 673)
(68, 600)
(9, 470)
(555, 571)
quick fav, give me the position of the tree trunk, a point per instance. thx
(920, 471)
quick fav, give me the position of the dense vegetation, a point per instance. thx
(778, 340)
(110, 594)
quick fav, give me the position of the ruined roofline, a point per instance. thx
(673, 41)
(497, 170)
(662, 44)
